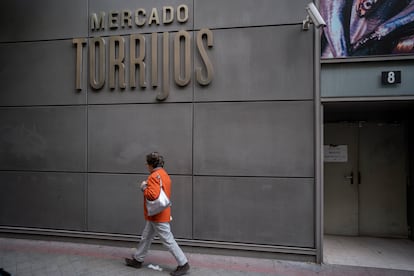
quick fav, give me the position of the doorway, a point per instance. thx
(365, 179)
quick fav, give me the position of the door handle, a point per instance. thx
(350, 177)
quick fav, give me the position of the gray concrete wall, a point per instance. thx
(240, 150)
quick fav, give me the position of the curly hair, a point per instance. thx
(155, 160)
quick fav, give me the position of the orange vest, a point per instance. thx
(153, 191)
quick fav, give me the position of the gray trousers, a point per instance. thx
(163, 231)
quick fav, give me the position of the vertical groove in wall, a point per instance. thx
(192, 130)
(87, 127)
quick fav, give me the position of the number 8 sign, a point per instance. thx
(391, 77)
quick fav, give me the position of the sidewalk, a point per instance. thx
(33, 257)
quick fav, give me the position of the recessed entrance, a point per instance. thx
(367, 171)
(365, 179)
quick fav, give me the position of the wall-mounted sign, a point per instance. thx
(357, 28)
(391, 77)
(127, 68)
(335, 153)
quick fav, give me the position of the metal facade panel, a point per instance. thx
(254, 139)
(39, 73)
(43, 138)
(115, 204)
(43, 19)
(273, 211)
(153, 9)
(43, 200)
(119, 137)
(242, 13)
(364, 79)
(182, 208)
(267, 63)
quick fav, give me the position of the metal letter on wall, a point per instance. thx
(113, 20)
(154, 59)
(97, 22)
(79, 42)
(126, 18)
(182, 13)
(140, 22)
(116, 61)
(206, 60)
(165, 68)
(137, 61)
(97, 43)
(177, 58)
(154, 17)
(167, 15)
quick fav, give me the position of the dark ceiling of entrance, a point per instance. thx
(368, 111)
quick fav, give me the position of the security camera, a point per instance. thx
(313, 17)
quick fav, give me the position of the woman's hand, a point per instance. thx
(144, 185)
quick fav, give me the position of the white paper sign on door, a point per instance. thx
(335, 153)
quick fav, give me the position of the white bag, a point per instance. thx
(156, 206)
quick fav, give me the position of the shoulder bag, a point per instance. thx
(156, 206)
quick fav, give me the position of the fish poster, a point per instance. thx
(360, 28)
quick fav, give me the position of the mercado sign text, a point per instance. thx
(128, 55)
